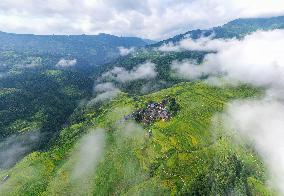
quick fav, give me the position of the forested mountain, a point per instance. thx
(163, 59)
(128, 127)
(94, 49)
(43, 79)
(36, 97)
(237, 28)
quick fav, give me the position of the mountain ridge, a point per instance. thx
(95, 49)
(235, 28)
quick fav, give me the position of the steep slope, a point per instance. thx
(36, 99)
(181, 156)
(42, 80)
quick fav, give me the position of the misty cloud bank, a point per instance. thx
(201, 44)
(125, 51)
(189, 69)
(91, 148)
(15, 147)
(90, 151)
(262, 122)
(104, 91)
(120, 74)
(64, 63)
(81, 166)
(105, 88)
(257, 60)
(130, 130)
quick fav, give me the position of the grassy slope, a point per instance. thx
(183, 156)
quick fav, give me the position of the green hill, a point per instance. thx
(182, 156)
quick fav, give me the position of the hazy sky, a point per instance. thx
(154, 19)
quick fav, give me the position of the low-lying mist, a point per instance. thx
(257, 60)
(16, 147)
(261, 122)
(146, 70)
(90, 150)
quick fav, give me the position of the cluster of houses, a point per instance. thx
(153, 112)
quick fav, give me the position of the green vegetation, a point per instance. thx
(162, 60)
(36, 96)
(237, 28)
(45, 115)
(184, 155)
(91, 49)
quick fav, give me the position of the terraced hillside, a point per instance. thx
(189, 154)
(73, 144)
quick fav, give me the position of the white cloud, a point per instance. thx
(131, 130)
(66, 63)
(153, 19)
(108, 95)
(202, 44)
(257, 60)
(16, 147)
(261, 122)
(104, 91)
(143, 71)
(90, 151)
(104, 87)
(125, 51)
(188, 69)
(152, 86)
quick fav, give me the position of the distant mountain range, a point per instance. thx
(104, 48)
(236, 28)
(95, 49)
